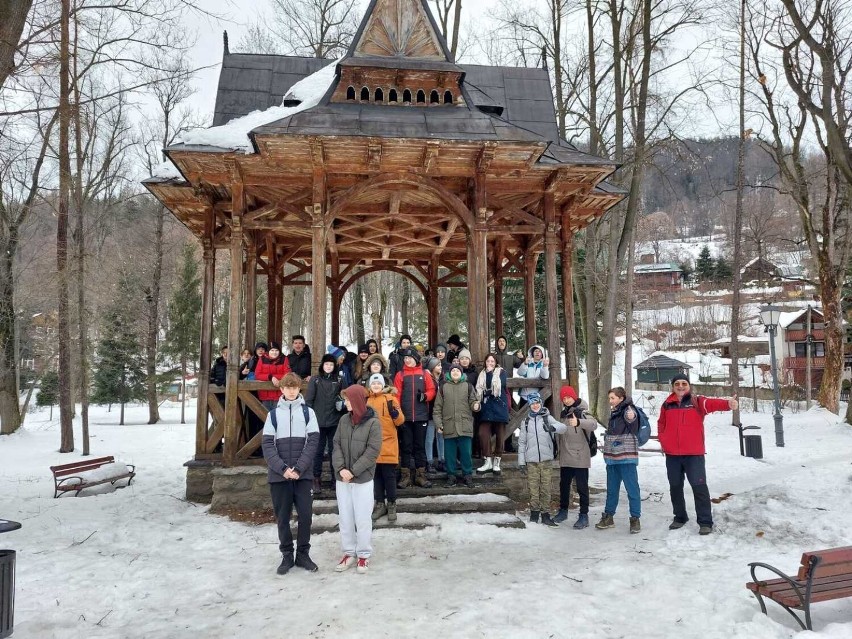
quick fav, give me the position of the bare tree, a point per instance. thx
(318, 28)
(813, 64)
(12, 25)
(449, 26)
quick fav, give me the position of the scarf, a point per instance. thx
(496, 386)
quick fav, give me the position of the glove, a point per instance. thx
(488, 393)
(394, 413)
(523, 470)
(549, 428)
(421, 396)
(338, 405)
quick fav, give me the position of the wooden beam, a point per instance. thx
(551, 247)
(571, 357)
(207, 289)
(336, 298)
(499, 251)
(530, 259)
(319, 286)
(234, 311)
(477, 274)
(251, 289)
(432, 302)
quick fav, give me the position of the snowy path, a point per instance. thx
(140, 562)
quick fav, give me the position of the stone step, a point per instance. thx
(419, 521)
(438, 489)
(437, 504)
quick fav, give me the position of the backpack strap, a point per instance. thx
(274, 418)
(307, 414)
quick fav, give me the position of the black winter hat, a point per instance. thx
(410, 352)
(363, 349)
(262, 345)
(406, 336)
(275, 345)
(455, 340)
(680, 377)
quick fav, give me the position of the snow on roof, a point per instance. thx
(667, 267)
(785, 319)
(165, 171)
(234, 134)
(741, 338)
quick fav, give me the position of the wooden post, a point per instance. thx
(498, 290)
(432, 303)
(477, 274)
(272, 290)
(551, 246)
(278, 309)
(231, 400)
(572, 365)
(319, 286)
(251, 292)
(208, 283)
(530, 260)
(336, 300)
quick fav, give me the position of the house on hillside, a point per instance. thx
(662, 278)
(791, 346)
(659, 369)
(791, 277)
(749, 346)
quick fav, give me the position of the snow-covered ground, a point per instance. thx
(142, 562)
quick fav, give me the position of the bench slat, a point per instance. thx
(834, 561)
(820, 591)
(779, 585)
(82, 465)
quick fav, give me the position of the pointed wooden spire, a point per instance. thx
(400, 29)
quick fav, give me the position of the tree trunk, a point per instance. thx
(628, 317)
(12, 25)
(358, 312)
(121, 415)
(829, 390)
(10, 413)
(66, 407)
(154, 318)
(183, 390)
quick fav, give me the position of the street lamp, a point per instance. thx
(770, 316)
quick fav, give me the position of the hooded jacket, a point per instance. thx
(384, 405)
(267, 369)
(300, 363)
(574, 442)
(365, 374)
(495, 405)
(454, 407)
(410, 382)
(680, 426)
(323, 393)
(620, 443)
(219, 372)
(535, 370)
(535, 444)
(293, 444)
(508, 361)
(357, 446)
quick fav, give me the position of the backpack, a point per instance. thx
(644, 427)
(553, 438)
(274, 418)
(593, 444)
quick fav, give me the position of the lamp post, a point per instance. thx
(751, 363)
(770, 316)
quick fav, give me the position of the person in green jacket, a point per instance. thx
(455, 404)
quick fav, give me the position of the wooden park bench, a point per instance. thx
(76, 476)
(650, 448)
(824, 575)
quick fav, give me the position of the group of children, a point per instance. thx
(376, 428)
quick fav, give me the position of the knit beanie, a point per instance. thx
(680, 377)
(465, 353)
(262, 345)
(376, 377)
(335, 351)
(455, 340)
(431, 363)
(441, 348)
(534, 398)
(274, 345)
(410, 352)
(567, 391)
(363, 349)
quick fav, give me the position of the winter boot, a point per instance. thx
(440, 466)
(635, 526)
(676, 524)
(561, 516)
(705, 530)
(486, 466)
(496, 466)
(286, 563)
(317, 486)
(467, 480)
(430, 469)
(379, 510)
(547, 520)
(404, 478)
(452, 481)
(582, 522)
(534, 516)
(605, 522)
(420, 479)
(303, 560)
(391, 511)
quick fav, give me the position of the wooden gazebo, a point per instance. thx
(453, 176)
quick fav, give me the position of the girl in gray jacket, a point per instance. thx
(575, 457)
(535, 456)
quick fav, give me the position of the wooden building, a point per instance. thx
(659, 369)
(662, 278)
(450, 175)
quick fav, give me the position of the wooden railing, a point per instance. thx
(213, 445)
(794, 363)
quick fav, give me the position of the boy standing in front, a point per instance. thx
(535, 456)
(290, 441)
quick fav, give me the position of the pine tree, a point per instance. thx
(705, 268)
(120, 375)
(48, 390)
(722, 271)
(183, 335)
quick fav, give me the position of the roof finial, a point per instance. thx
(544, 58)
(227, 50)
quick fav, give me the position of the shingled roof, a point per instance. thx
(512, 103)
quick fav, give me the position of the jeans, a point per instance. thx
(566, 474)
(384, 482)
(286, 494)
(458, 447)
(628, 474)
(326, 442)
(693, 467)
(430, 440)
(413, 436)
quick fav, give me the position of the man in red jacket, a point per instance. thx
(681, 432)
